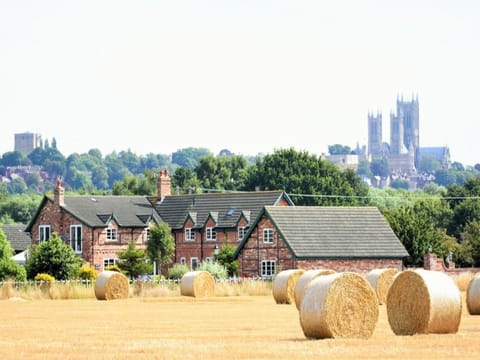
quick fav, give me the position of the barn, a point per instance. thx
(340, 238)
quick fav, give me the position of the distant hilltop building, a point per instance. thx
(403, 152)
(26, 142)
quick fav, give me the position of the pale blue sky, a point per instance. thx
(250, 76)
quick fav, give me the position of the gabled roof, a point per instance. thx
(228, 207)
(438, 153)
(97, 211)
(17, 236)
(333, 232)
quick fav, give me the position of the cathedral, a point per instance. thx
(403, 152)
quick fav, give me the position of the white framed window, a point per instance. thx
(109, 262)
(146, 235)
(193, 263)
(268, 236)
(76, 238)
(211, 235)
(242, 231)
(268, 268)
(111, 234)
(189, 234)
(44, 232)
(208, 259)
(183, 261)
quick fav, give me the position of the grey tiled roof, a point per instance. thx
(226, 208)
(336, 232)
(19, 239)
(96, 211)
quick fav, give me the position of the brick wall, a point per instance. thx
(256, 250)
(201, 248)
(95, 248)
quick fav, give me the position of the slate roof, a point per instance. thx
(225, 208)
(326, 232)
(97, 211)
(17, 236)
(438, 153)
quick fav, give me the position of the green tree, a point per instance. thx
(222, 172)
(160, 245)
(225, 258)
(133, 261)
(363, 169)
(338, 149)
(136, 185)
(380, 167)
(15, 158)
(116, 169)
(308, 179)
(471, 242)
(417, 229)
(53, 257)
(400, 184)
(184, 179)
(464, 202)
(189, 157)
(20, 207)
(9, 269)
(17, 186)
(428, 164)
(100, 177)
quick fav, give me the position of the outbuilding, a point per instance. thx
(340, 238)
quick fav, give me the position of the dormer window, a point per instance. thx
(242, 231)
(189, 234)
(111, 234)
(268, 236)
(211, 235)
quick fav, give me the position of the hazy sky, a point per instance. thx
(249, 76)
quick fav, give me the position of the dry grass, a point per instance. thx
(240, 327)
(72, 290)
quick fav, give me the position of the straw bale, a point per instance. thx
(283, 287)
(339, 305)
(197, 284)
(304, 280)
(381, 280)
(473, 296)
(424, 302)
(111, 285)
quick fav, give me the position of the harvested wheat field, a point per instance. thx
(243, 327)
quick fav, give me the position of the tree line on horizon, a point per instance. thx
(444, 218)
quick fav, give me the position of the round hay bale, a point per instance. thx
(197, 284)
(381, 280)
(283, 287)
(304, 280)
(473, 296)
(111, 285)
(339, 305)
(424, 302)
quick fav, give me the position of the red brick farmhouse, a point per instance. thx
(339, 238)
(268, 232)
(97, 227)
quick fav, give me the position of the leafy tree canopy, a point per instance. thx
(53, 257)
(9, 269)
(338, 149)
(161, 244)
(300, 174)
(134, 261)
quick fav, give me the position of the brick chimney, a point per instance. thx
(59, 193)
(163, 185)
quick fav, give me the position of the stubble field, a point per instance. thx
(241, 327)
